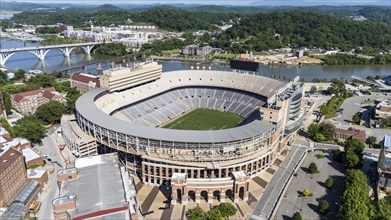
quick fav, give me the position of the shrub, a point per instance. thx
(319, 156)
(306, 193)
(323, 206)
(329, 183)
(296, 216)
(313, 168)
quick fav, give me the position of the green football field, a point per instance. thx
(205, 119)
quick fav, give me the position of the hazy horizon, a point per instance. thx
(222, 2)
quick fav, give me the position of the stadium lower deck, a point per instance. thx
(167, 106)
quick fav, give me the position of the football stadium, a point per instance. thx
(204, 133)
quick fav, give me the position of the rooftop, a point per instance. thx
(98, 187)
(7, 156)
(29, 154)
(86, 78)
(47, 92)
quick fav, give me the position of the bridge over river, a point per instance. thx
(41, 51)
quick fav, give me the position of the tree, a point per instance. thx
(353, 152)
(356, 119)
(227, 209)
(384, 209)
(356, 202)
(306, 192)
(19, 74)
(313, 89)
(327, 130)
(329, 183)
(323, 206)
(196, 213)
(42, 80)
(337, 87)
(72, 96)
(30, 128)
(351, 158)
(50, 112)
(312, 130)
(313, 168)
(371, 141)
(214, 214)
(296, 216)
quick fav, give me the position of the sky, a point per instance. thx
(227, 2)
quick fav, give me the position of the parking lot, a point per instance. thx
(353, 105)
(292, 203)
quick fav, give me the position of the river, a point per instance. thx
(55, 61)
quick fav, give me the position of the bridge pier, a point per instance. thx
(40, 53)
(87, 49)
(66, 51)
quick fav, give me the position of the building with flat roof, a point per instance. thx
(28, 102)
(32, 158)
(12, 174)
(197, 50)
(84, 82)
(92, 189)
(124, 77)
(384, 165)
(346, 134)
(78, 142)
(22, 201)
(383, 108)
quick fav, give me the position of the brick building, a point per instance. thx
(28, 102)
(12, 174)
(32, 158)
(345, 134)
(84, 82)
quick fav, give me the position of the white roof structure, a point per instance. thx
(99, 186)
(29, 154)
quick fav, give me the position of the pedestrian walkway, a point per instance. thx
(273, 191)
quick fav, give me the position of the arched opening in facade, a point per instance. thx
(216, 195)
(204, 195)
(179, 195)
(191, 195)
(241, 193)
(229, 194)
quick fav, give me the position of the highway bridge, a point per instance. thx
(41, 51)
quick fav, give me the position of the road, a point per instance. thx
(274, 189)
(49, 148)
(318, 101)
(353, 105)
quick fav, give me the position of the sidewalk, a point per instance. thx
(271, 196)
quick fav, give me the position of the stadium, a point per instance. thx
(203, 133)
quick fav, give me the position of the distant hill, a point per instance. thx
(108, 7)
(20, 6)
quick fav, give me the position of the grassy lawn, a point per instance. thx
(260, 53)
(205, 119)
(170, 52)
(332, 106)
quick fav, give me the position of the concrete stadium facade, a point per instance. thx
(197, 165)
